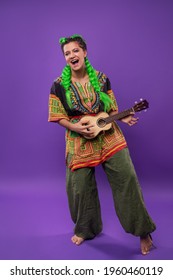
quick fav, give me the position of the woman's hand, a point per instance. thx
(83, 127)
(130, 120)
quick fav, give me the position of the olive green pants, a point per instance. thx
(128, 200)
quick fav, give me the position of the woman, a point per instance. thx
(81, 91)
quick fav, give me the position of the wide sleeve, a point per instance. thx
(56, 108)
(109, 91)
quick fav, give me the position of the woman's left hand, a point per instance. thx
(130, 120)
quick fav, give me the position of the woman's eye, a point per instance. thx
(76, 50)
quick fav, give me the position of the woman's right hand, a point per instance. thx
(83, 127)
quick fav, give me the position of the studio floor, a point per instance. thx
(36, 225)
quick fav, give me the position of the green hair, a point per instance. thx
(66, 82)
(66, 74)
(95, 83)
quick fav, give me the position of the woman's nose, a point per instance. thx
(72, 55)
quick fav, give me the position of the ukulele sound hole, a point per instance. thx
(101, 122)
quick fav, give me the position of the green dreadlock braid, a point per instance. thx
(95, 83)
(66, 82)
(66, 74)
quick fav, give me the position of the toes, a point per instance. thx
(74, 239)
(145, 251)
(77, 240)
(146, 244)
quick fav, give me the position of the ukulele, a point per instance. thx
(103, 121)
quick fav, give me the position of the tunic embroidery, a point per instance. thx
(81, 151)
(83, 96)
(56, 109)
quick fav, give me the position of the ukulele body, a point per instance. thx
(98, 123)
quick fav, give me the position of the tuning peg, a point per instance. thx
(145, 110)
(141, 99)
(136, 102)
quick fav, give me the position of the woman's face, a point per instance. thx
(74, 56)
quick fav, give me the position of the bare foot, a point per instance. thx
(146, 244)
(77, 240)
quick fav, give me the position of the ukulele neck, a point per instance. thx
(119, 115)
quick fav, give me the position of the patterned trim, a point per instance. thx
(83, 95)
(84, 152)
(98, 161)
(56, 109)
(77, 104)
(114, 106)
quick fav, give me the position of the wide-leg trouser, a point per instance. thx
(128, 200)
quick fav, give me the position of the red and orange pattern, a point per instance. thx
(84, 152)
(91, 152)
(56, 109)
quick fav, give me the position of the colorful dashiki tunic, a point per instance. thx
(81, 151)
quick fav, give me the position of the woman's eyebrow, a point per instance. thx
(66, 52)
(71, 50)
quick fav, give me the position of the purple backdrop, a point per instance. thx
(131, 41)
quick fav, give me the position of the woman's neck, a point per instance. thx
(80, 75)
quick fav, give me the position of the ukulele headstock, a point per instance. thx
(142, 105)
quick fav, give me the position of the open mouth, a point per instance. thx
(75, 61)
